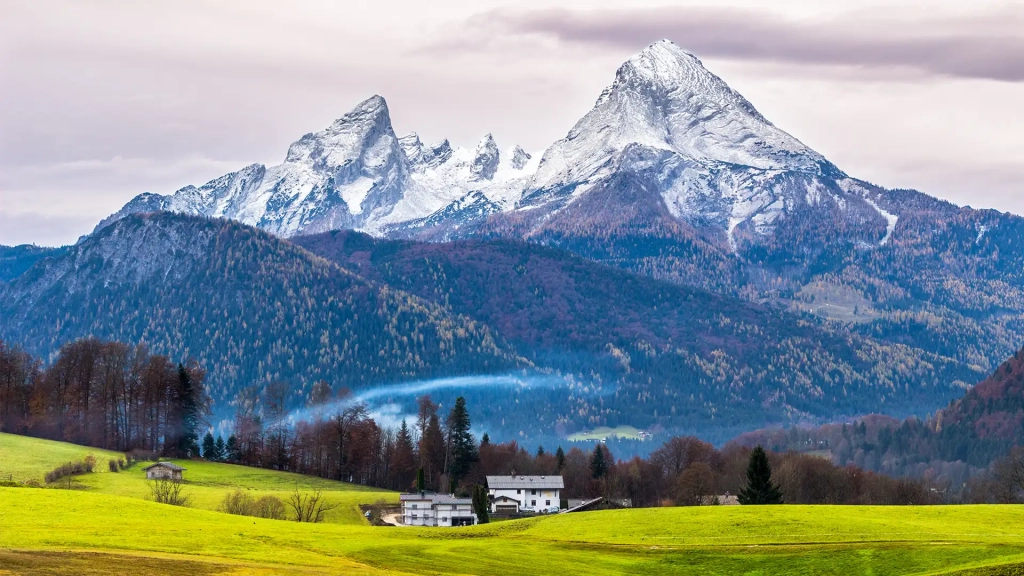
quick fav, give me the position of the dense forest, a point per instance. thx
(115, 396)
(948, 448)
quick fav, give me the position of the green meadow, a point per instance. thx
(107, 526)
(602, 432)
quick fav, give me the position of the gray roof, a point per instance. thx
(169, 465)
(509, 482)
(435, 498)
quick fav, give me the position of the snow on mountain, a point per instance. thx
(715, 160)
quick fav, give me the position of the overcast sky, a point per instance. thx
(102, 100)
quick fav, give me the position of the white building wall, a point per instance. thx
(530, 499)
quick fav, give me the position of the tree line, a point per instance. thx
(105, 394)
(120, 397)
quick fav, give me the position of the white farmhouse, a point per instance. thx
(511, 494)
(423, 509)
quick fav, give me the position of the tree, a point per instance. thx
(310, 507)
(486, 440)
(695, 486)
(598, 463)
(540, 451)
(464, 452)
(209, 447)
(403, 459)
(231, 450)
(560, 458)
(222, 451)
(480, 504)
(421, 484)
(760, 489)
(188, 410)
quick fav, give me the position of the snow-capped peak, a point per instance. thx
(486, 158)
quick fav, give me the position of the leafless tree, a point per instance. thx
(309, 507)
(170, 492)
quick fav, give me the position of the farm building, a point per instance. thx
(163, 471)
(513, 494)
(445, 510)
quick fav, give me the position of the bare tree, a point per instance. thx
(170, 492)
(309, 507)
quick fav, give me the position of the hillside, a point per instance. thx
(26, 458)
(86, 530)
(15, 260)
(716, 362)
(950, 445)
(249, 307)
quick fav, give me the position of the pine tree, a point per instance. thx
(760, 489)
(187, 414)
(560, 458)
(540, 451)
(421, 484)
(232, 452)
(464, 452)
(486, 440)
(598, 463)
(209, 447)
(403, 460)
(221, 449)
(480, 504)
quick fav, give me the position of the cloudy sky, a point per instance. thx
(101, 100)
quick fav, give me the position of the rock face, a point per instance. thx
(708, 156)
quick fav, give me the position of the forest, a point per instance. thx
(120, 397)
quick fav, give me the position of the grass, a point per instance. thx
(207, 482)
(109, 528)
(603, 432)
(23, 458)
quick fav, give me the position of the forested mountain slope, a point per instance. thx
(679, 357)
(248, 306)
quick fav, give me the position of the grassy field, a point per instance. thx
(602, 432)
(207, 482)
(106, 529)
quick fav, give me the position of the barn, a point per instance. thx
(163, 471)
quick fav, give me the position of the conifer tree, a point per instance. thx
(231, 450)
(560, 458)
(480, 504)
(187, 413)
(486, 440)
(760, 489)
(421, 484)
(463, 446)
(221, 449)
(209, 447)
(540, 451)
(403, 460)
(598, 463)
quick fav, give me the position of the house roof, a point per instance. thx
(509, 482)
(167, 465)
(434, 498)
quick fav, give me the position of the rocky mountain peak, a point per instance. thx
(485, 158)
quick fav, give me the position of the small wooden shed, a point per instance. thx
(163, 471)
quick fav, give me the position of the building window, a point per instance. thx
(415, 516)
(533, 502)
(533, 492)
(413, 506)
(547, 502)
(518, 491)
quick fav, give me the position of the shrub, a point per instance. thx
(122, 463)
(65, 471)
(242, 504)
(270, 507)
(89, 463)
(169, 492)
(112, 464)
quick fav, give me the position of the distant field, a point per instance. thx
(603, 432)
(207, 482)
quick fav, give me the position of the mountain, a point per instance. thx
(248, 306)
(354, 174)
(15, 260)
(676, 358)
(674, 176)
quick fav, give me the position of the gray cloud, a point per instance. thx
(989, 45)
